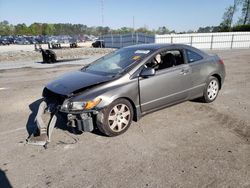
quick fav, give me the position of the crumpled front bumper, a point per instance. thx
(45, 121)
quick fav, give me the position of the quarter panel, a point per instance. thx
(200, 73)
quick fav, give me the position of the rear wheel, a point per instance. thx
(116, 118)
(211, 90)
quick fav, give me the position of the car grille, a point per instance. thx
(52, 97)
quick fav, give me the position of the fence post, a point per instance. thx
(232, 41)
(212, 40)
(191, 40)
(120, 41)
(132, 38)
(100, 37)
(171, 40)
(112, 40)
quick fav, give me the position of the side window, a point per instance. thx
(166, 59)
(193, 56)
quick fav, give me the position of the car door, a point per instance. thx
(166, 87)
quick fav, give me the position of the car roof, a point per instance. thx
(153, 46)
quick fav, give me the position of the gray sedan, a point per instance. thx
(120, 87)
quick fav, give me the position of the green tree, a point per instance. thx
(144, 30)
(36, 29)
(22, 29)
(125, 30)
(162, 30)
(227, 19)
(245, 12)
(5, 28)
(48, 29)
(206, 29)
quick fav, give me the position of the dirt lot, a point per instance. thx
(17, 53)
(187, 145)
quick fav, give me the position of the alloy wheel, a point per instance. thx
(119, 117)
(212, 89)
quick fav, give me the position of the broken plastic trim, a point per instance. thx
(45, 121)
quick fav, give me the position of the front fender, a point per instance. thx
(129, 91)
(122, 88)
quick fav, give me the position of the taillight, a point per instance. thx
(221, 61)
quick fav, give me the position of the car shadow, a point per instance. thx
(62, 61)
(4, 181)
(61, 122)
(199, 100)
(31, 125)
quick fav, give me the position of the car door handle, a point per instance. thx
(184, 71)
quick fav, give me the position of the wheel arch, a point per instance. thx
(219, 79)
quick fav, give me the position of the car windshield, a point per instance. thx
(117, 61)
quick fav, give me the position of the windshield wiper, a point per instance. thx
(85, 67)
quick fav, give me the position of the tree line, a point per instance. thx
(70, 29)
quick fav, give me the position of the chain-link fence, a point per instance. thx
(119, 41)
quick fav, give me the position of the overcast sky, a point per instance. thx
(177, 15)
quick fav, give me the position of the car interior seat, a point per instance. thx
(168, 61)
(179, 59)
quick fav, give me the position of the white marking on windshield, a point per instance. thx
(142, 51)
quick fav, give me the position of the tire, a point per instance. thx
(51, 56)
(211, 90)
(116, 118)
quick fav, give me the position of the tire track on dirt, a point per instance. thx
(238, 126)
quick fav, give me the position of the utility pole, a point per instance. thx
(102, 12)
(102, 18)
(133, 23)
(133, 33)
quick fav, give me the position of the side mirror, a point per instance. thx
(147, 72)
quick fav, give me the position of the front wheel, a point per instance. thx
(211, 90)
(116, 118)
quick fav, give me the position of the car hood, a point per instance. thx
(77, 81)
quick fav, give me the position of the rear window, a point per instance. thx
(193, 56)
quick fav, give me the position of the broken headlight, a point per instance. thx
(80, 105)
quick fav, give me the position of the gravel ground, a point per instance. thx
(21, 53)
(187, 145)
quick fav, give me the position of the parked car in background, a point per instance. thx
(44, 39)
(41, 39)
(4, 41)
(21, 40)
(98, 44)
(31, 39)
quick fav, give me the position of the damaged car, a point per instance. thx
(121, 87)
